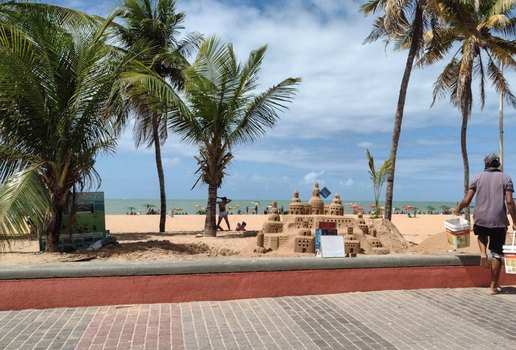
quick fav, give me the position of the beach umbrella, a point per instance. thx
(131, 208)
(149, 205)
(409, 207)
(430, 208)
(355, 207)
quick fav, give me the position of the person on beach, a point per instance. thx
(493, 190)
(223, 214)
(241, 226)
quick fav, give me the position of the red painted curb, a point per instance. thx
(95, 291)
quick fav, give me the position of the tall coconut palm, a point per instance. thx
(224, 110)
(56, 79)
(481, 28)
(151, 28)
(402, 22)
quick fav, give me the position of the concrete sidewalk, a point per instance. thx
(466, 318)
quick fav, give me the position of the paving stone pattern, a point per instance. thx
(415, 319)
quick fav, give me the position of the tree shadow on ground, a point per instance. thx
(145, 236)
(139, 248)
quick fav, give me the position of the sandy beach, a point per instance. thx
(414, 229)
(139, 240)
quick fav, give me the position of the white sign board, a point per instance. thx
(332, 246)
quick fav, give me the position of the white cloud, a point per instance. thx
(348, 183)
(312, 177)
(171, 162)
(365, 144)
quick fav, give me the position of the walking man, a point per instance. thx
(493, 190)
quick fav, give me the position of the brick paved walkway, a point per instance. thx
(415, 319)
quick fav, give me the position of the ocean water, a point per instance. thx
(192, 206)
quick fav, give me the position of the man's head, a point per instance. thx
(224, 198)
(492, 160)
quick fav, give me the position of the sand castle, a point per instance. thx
(304, 218)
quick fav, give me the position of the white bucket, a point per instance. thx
(509, 255)
(458, 232)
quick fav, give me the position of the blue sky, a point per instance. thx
(345, 105)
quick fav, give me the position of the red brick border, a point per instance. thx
(115, 290)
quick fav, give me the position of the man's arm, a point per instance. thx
(511, 206)
(467, 200)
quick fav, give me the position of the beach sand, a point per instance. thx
(139, 240)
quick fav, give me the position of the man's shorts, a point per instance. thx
(496, 238)
(223, 214)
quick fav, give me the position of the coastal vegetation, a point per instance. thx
(57, 75)
(474, 31)
(77, 90)
(378, 177)
(151, 30)
(430, 29)
(401, 22)
(225, 110)
(63, 89)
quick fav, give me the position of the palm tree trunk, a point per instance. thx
(54, 229)
(398, 118)
(161, 176)
(465, 160)
(210, 228)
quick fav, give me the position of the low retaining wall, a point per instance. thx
(91, 284)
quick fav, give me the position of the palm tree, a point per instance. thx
(151, 29)
(378, 177)
(402, 22)
(56, 78)
(479, 27)
(224, 111)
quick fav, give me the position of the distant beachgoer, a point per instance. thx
(223, 214)
(493, 190)
(241, 226)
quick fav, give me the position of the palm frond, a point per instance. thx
(446, 83)
(372, 6)
(262, 112)
(23, 200)
(500, 83)
(501, 7)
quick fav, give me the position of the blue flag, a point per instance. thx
(325, 192)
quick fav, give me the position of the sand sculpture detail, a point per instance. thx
(298, 227)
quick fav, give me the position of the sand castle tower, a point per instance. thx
(295, 207)
(307, 208)
(362, 224)
(336, 207)
(274, 212)
(316, 202)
